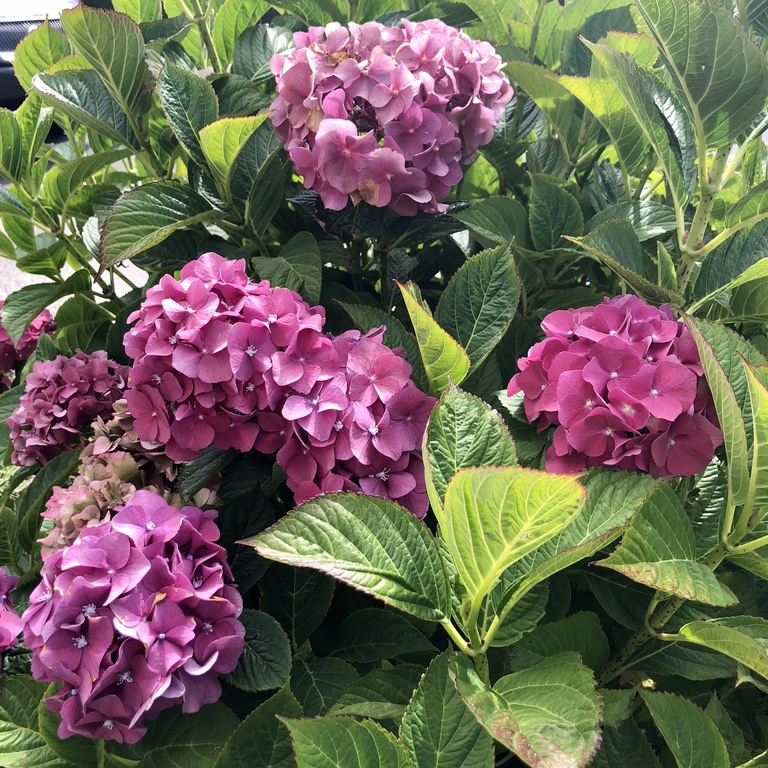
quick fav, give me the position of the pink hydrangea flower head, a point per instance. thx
(11, 354)
(386, 114)
(10, 623)
(623, 384)
(133, 617)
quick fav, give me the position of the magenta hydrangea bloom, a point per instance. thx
(62, 397)
(622, 384)
(386, 114)
(11, 353)
(134, 617)
(223, 361)
(10, 623)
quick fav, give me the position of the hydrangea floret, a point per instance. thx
(220, 360)
(134, 617)
(386, 114)
(10, 623)
(61, 398)
(11, 354)
(623, 385)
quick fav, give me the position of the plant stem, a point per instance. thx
(481, 665)
(458, 640)
(650, 164)
(201, 20)
(517, 118)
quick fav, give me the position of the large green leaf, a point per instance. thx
(606, 103)
(659, 550)
(495, 221)
(649, 219)
(690, 733)
(625, 746)
(11, 154)
(382, 694)
(231, 20)
(757, 494)
(438, 730)
(444, 359)
(548, 714)
(374, 634)
(266, 659)
(340, 742)
(495, 516)
(113, 45)
(718, 71)
(24, 305)
(187, 740)
(147, 215)
(82, 324)
(318, 682)
(80, 94)
(298, 598)
(554, 212)
(479, 302)
(369, 543)
(189, 103)
(21, 744)
(622, 71)
(727, 406)
(255, 48)
(463, 432)
(41, 48)
(298, 267)
(140, 10)
(743, 638)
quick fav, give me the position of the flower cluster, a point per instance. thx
(61, 397)
(386, 114)
(623, 385)
(223, 361)
(11, 353)
(133, 618)
(10, 623)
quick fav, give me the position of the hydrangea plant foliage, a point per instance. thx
(434, 433)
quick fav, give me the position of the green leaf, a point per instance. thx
(189, 103)
(221, 143)
(74, 750)
(11, 154)
(444, 359)
(622, 71)
(298, 598)
(369, 543)
(374, 634)
(438, 730)
(625, 746)
(648, 218)
(12, 206)
(580, 632)
(298, 267)
(24, 305)
(523, 616)
(82, 324)
(396, 335)
(616, 245)
(547, 714)
(206, 468)
(317, 683)
(140, 10)
(255, 48)
(727, 406)
(113, 45)
(231, 20)
(382, 694)
(495, 221)
(690, 733)
(37, 51)
(337, 742)
(21, 744)
(554, 212)
(743, 638)
(479, 302)
(147, 215)
(187, 740)
(659, 550)
(35, 120)
(757, 493)
(612, 498)
(81, 96)
(266, 660)
(495, 516)
(717, 70)
(463, 432)
(261, 740)
(731, 733)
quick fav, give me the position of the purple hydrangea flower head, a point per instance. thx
(134, 617)
(61, 398)
(623, 385)
(386, 114)
(10, 623)
(11, 354)
(224, 361)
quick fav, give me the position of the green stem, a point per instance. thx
(650, 164)
(517, 118)
(750, 546)
(201, 20)
(481, 665)
(458, 640)
(736, 160)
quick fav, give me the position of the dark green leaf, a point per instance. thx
(298, 267)
(82, 324)
(625, 746)
(554, 212)
(495, 221)
(231, 20)
(254, 50)
(649, 219)
(317, 683)
(41, 48)
(198, 473)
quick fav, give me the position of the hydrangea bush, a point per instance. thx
(428, 426)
